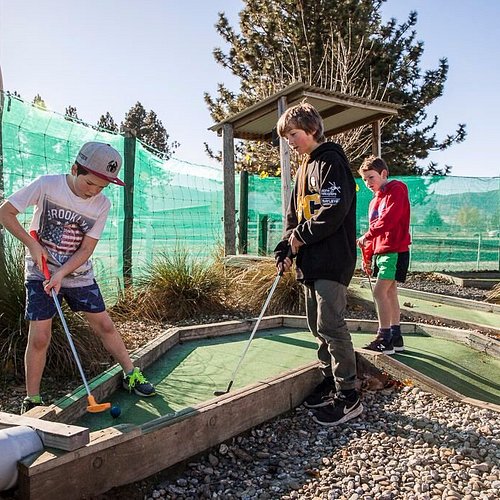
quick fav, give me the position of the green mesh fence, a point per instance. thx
(176, 204)
(455, 221)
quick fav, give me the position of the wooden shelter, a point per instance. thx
(340, 112)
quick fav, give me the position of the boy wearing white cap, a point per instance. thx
(69, 217)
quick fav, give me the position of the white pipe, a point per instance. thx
(16, 443)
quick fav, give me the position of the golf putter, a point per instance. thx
(92, 406)
(242, 357)
(369, 281)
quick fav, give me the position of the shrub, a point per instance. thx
(176, 287)
(250, 288)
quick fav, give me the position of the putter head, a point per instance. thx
(220, 393)
(94, 407)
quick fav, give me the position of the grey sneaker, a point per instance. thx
(137, 382)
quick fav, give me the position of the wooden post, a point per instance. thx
(286, 177)
(376, 142)
(243, 222)
(478, 260)
(229, 189)
(262, 237)
(128, 219)
(2, 186)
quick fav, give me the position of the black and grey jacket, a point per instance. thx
(322, 213)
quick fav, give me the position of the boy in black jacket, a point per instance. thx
(320, 229)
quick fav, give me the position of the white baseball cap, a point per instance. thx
(102, 160)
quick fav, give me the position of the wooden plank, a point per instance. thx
(155, 349)
(243, 215)
(452, 301)
(165, 442)
(473, 339)
(99, 440)
(295, 321)
(228, 328)
(286, 176)
(53, 434)
(400, 371)
(376, 139)
(229, 189)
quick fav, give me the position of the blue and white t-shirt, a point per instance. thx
(61, 219)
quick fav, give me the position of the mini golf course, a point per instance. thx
(460, 312)
(185, 418)
(192, 371)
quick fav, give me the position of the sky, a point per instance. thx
(105, 55)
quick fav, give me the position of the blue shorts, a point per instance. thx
(40, 306)
(391, 266)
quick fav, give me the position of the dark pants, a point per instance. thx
(326, 302)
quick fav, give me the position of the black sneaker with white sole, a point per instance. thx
(398, 344)
(322, 394)
(339, 411)
(381, 344)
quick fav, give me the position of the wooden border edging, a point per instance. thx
(53, 434)
(163, 442)
(105, 461)
(400, 371)
(441, 299)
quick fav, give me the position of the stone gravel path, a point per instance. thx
(407, 444)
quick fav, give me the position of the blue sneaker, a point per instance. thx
(138, 383)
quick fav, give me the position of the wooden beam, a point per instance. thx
(376, 140)
(355, 124)
(128, 205)
(229, 189)
(286, 176)
(53, 434)
(384, 108)
(243, 215)
(334, 110)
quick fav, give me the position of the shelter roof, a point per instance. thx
(340, 112)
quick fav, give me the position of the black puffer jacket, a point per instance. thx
(326, 223)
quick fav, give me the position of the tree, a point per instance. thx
(433, 219)
(106, 122)
(71, 114)
(470, 217)
(150, 130)
(39, 102)
(339, 45)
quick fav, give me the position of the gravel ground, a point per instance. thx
(407, 444)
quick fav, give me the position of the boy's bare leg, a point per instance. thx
(386, 297)
(36, 354)
(105, 329)
(392, 296)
